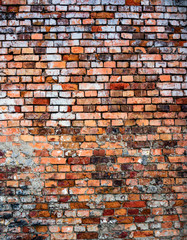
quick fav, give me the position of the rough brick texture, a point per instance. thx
(92, 117)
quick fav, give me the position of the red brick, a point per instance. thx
(91, 220)
(41, 101)
(71, 57)
(140, 219)
(87, 235)
(119, 86)
(79, 205)
(79, 160)
(135, 204)
(108, 212)
(13, 2)
(102, 15)
(133, 2)
(143, 234)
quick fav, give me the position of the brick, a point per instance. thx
(80, 160)
(124, 220)
(100, 71)
(143, 234)
(41, 101)
(114, 115)
(166, 233)
(119, 86)
(108, 212)
(13, 2)
(90, 220)
(71, 57)
(133, 2)
(102, 15)
(116, 43)
(77, 49)
(80, 205)
(113, 2)
(26, 58)
(88, 116)
(41, 228)
(149, 57)
(57, 64)
(89, 86)
(88, 235)
(136, 204)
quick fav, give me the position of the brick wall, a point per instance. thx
(92, 117)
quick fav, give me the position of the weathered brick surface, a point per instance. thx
(92, 117)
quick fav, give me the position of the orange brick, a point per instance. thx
(102, 15)
(71, 57)
(13, 2)
(56, 65)
(77, 49)
(41, 229)
(37, 36)
(100, 71)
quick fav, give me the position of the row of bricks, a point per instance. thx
(57, 159)
(82, 187)
(169, 126)
(127, 164)
(73, 148)
(104, 98)
(162, 40)
(39, 137)
(99, 12)
(96, 18)
(46, 159)
(152, 136)
(88, 2)
(96, 183)
(31, 69)
(89, 88)
(90, 31)
(136, 145)
(72, 18)
(104, 49)
(98, 101)
(94, 235)
(95, 71)
(168, 200)
(88, 109)
(151, 9)
(106, 3)
(165, 97)
(81, 154)
(93, 23)
(99, 183)
(107, 115)
(96, 43)
(97, 15)
(94, 228)
(52, 67)
(103, 57)
(158, 207)
(120, 217)
(91, 51)
(103, 53)
(128, 78)
(92, 123)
